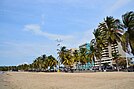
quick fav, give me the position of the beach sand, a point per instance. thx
(98, 80)
(4, 82)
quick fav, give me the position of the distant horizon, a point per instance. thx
(30, 29)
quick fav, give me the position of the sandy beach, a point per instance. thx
(102, 80)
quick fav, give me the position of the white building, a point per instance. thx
(107, 54)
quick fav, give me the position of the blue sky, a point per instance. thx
(29, 28)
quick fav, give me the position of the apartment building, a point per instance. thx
(107, 54)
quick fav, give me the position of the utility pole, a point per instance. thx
(58, 48)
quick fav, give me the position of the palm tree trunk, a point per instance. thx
(100, 65)
(117, 67)
(110, 54)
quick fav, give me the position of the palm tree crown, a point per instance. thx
(128, 36)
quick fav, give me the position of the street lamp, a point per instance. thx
(58, 45)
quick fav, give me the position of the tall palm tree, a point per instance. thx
(112, 30)
(128, 36)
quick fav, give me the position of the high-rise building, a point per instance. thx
(107, 54)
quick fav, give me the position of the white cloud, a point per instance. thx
(72, 40)
(32, 27)
(35, 28)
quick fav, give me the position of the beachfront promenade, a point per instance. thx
(40, 80)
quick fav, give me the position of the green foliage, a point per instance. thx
(44, 62)
(128, 36)
(66, 58)
(83, 56)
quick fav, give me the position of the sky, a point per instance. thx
(30, 28)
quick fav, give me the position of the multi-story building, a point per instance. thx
(107, 54)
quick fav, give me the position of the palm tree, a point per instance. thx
(68, 61)
(128, 36)
(84, 56)
(97, 45)
(76, 57)
(62, 53)
(39, 63)
(111, 31)
(44, 63)
(92, 52)
(66, 58)
(52, 62)
(23, 67)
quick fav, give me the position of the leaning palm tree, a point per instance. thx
(112, 30)
(128, 36)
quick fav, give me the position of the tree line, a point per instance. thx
(41, 63)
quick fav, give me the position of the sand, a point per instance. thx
(98, 80)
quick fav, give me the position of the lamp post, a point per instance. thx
(58, 45)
